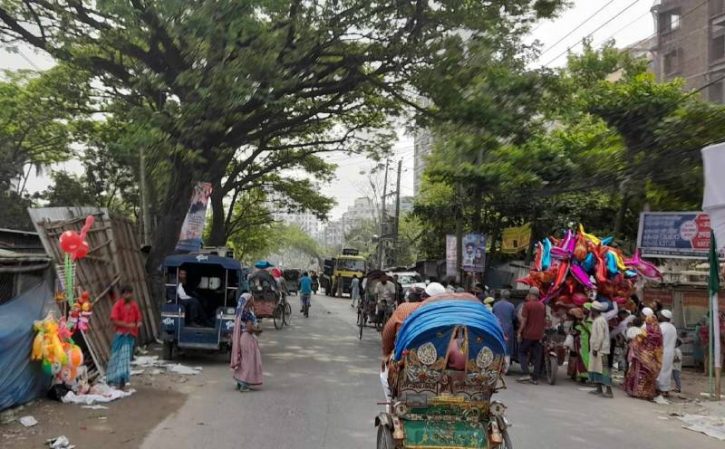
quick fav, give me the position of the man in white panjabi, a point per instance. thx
(669, 343)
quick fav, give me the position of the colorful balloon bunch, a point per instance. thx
(53, 345)
(75, 247)
(567, 270)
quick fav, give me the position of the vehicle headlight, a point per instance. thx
(497, 408)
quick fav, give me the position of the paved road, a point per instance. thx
(322, 388)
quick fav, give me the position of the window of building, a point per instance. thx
(669, 21)
(717, 48)
(672, 62)
(715, 92)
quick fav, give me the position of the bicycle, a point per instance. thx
(306, 305)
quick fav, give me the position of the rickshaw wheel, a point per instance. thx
(278, 317)
(385, 438)
(507, 444)
(287, 314)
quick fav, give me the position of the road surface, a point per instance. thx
(322, 388)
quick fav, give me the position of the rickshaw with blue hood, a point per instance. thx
(447, 363)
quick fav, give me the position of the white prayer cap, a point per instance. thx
(647, 311)
(667, 314)
(434, 288)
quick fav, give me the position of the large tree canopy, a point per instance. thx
(238, 90)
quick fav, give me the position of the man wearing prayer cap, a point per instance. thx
(434, 288)
(599, 348)
(647, 312)
(669, 344)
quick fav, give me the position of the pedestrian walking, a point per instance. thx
(669, 343)
(533, 323)
(600, 347)
(355, 290)
(246, 357)
(677, 368)
(126, 317)
(506, 314)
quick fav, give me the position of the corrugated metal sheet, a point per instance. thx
(114, 259)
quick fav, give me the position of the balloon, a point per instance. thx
(561, 274)
(75, 356)
(581, 276)
(579, 299)
(47, 367)
(37, 347)
(560, 253)
(580, 250)
(69, 241)
(606, 241)
(620, 300)
(81, 251)
(538, 259)
(546, 258)
(646, 269)
(588, 263)
(612, 263)
(86, 227)
(591, 237)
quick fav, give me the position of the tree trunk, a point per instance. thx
(624, 201)
(218, 234)
(166, 234)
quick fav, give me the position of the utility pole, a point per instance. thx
(145, 206)
(396, 249)
(381, 241)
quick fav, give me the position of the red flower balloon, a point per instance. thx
(70, 241)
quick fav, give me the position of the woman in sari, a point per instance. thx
(645, 361)
(246, 358)
(581, 329)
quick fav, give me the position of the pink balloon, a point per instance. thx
(581, 276)
(620, 300)
(579, 299)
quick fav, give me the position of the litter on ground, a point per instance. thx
(712, 426)
(28, 421)
(99, 393)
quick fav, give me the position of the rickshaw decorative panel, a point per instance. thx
(433, 434)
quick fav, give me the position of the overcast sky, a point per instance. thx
(630, 21)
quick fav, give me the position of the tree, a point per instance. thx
(238, 90)
(34, 110)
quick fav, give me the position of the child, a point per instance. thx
(677, 367)
(126, 316)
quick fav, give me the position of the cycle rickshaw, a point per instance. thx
(269, 299)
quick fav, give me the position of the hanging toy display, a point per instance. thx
(75, 247)
(582, 263)
(53, 346)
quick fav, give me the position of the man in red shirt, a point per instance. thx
(126, 316)
(530, 335)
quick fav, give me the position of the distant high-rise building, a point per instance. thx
(306, 221)
(690, 44)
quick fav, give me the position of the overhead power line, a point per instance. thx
(592, 33)
(576, 28)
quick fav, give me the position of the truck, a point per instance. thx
(340, 270)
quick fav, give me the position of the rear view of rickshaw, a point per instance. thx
(269, 300)
(447, 363)
(292, 280)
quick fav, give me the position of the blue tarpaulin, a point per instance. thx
(22, 380)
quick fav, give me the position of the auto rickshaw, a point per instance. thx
(216, 282)
(292, 279)
(436, 400)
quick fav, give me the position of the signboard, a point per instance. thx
(683, 235)
(474, 253)
(516, 239)
(193, 228)
(451, 255)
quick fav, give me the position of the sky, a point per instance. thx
(627, 21)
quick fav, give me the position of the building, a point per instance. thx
(690, 44)
(365, 209)
(306, 221)
(334, 234)
(422, 147)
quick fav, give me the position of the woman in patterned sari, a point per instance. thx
(579, 357)
(645, 361)
(246, 358)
